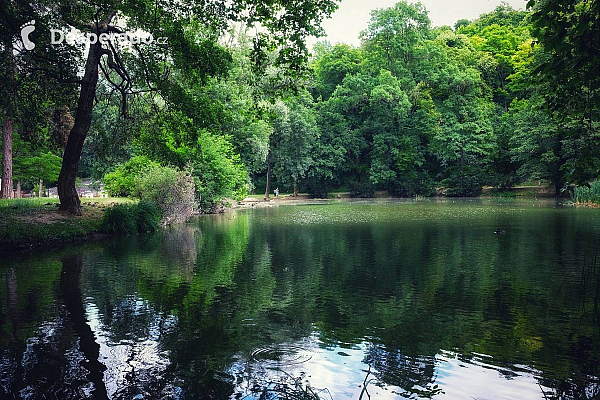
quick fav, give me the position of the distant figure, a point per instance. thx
(276, 191)
(499, 231)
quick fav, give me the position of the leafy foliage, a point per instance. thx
(45, 166)
(362, 189)
(569, 75)
(512, 95)
(463, 184)
(122, 181)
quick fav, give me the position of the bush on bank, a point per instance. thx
(172, 190)
(129, 219)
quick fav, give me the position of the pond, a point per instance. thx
(444, 299)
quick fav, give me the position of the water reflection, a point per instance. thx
(415, 300)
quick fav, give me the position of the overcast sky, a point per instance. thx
(353, 15)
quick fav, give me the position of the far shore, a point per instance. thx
(26, 227)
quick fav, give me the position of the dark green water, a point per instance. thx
(418, 299)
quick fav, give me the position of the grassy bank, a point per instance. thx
(37, 222)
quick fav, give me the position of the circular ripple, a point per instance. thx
(281, 354)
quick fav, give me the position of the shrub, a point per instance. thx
(121, 182)
(317, 188)
(128, 219)
(119, 219)
(361, 189)
(172, 190)
(463, 184)
(412, 183)
(587, 194)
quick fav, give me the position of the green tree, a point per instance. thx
(392, 36)
(570, 74)
(38, 168)
(295, 136)
(28, 99)
(196, 52)
(331, 65)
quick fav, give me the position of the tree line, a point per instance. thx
(507, 98)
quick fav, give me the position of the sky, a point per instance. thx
(353, 15)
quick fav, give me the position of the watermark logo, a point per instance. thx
(58, 37)
(25, 31)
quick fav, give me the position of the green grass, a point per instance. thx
(106, 200)
(502, 193)
(542, 182)
(587, 195)
(30, 203)
(36, 202)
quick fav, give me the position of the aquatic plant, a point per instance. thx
(587, 194)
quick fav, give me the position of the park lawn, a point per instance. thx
(35, 222)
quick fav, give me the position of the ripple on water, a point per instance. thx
(281, 355)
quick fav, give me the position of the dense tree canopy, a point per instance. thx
(504, 99)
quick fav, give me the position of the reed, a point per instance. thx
(587, 195)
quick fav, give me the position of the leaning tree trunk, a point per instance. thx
(7, 138)
(69, 200)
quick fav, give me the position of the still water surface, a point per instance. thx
(483, 299)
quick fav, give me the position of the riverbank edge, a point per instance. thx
(248, 203)
(587, 205)
(26, 228)
(33, 244)
(65, 230)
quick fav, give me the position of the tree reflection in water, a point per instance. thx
(70, 290)
(247, 304)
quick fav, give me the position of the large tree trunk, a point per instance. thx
(6, 192)
(41, 188)
(268, 188)
(69, 200)
(295, 190)
(7, 137)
